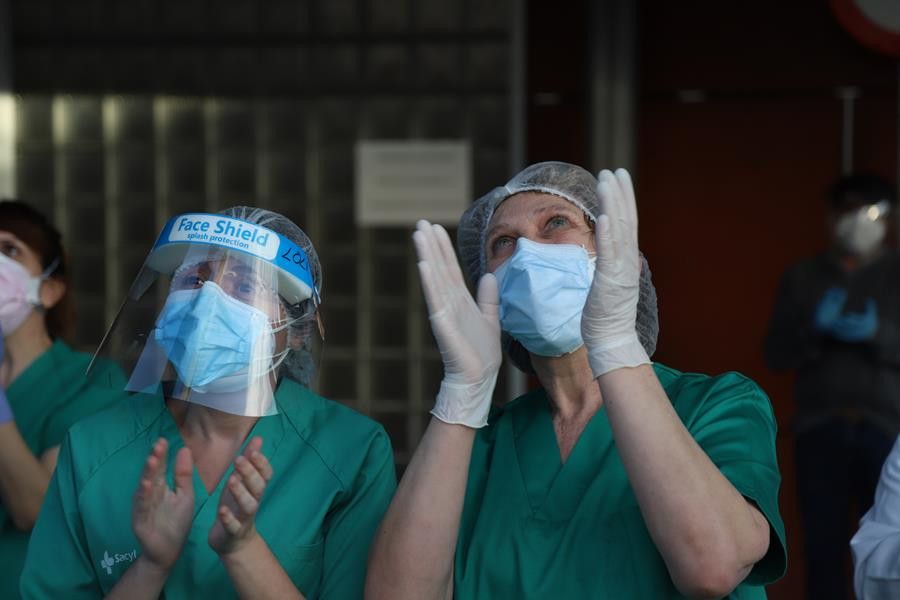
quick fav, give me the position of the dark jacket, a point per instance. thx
(856, 380)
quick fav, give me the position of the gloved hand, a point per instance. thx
(610, 312)
(5, 410)
(829, 309)
(467, 334)
(857, 327)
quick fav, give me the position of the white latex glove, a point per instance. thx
(467, 334)
(610, 312)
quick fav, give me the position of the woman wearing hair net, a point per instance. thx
(221, 475)
(618, 478)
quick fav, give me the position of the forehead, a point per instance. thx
(529, 205)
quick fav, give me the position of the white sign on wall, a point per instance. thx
(399, 182)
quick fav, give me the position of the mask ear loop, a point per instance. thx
(33, 293)
(591, 222)
(281, 358)
(286, 323)
(320, 325)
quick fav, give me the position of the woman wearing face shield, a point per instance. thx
(221, 475)
(42, 386)
(618, 478)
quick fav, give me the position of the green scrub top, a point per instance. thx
(333, 480)
(46, 399)
(533, 527)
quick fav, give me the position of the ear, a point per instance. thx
(295, 340)
(51, 292)
(592, 239)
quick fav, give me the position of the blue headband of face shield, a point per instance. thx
(296, 282)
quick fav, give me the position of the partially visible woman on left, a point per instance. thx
(43, 390)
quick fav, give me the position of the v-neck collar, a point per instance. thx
(270, 428)
(553, 488)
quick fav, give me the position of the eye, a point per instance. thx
(10, 249)
(502, 243)
(557, 221)
(189, 280)
(244, 287)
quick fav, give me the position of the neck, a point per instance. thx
(570, 384)
(201, 423)
(24, 345)
(213, 436)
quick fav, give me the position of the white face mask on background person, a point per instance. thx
(543, 288)
(862, 231)
(19, 293)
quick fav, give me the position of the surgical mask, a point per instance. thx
(862, 231)
(215, 342)
(543, 288)
(19, 293)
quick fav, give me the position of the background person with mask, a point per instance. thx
(617, 478)
(43, 390)
(222, 475)
(837, 322)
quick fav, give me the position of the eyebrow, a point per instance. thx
(560, 206)
(240, 267)
(7, 236)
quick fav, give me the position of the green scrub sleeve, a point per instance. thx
(352, 525)
(736, 428)
(57, 564)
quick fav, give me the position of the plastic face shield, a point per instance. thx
(212, 315)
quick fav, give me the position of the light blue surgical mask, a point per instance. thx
(214, 341)
(543, 288)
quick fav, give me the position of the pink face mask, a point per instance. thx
(19, 294)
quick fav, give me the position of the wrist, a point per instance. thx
(152, 569)
(241, 550)
(465, 403)
(6, 414)
(611, 355)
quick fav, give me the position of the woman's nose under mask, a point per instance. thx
(543, 288)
